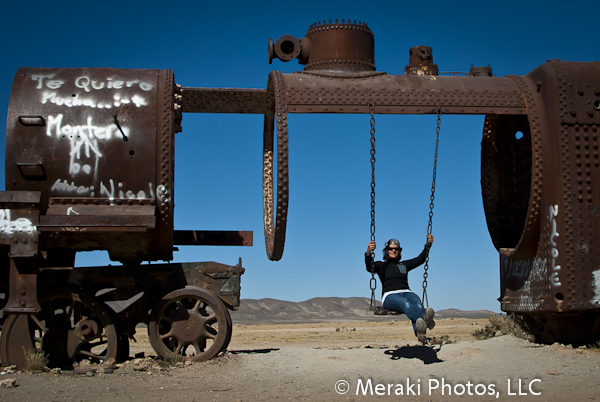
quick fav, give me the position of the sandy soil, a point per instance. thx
(336, 362)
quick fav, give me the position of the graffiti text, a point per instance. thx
(18, 225)
(554, 251)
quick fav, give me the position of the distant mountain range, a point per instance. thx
(324, 309)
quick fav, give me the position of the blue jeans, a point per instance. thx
(407, 303)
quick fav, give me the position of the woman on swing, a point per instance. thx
(396, 294)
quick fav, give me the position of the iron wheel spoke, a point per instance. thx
(201, 345)
(169, 334)
(211, 332)
(196, 308)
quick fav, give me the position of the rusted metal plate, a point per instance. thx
(212, 238)
(548, 257)
(340, 46)
(19, 218)
(85, 152)
(48, 222)
(79, 216)
(84, 207)
(97, 136)
(20, 199)
(223, 100)
(391, 94)
(23, 287)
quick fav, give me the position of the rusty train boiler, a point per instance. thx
(89, 166)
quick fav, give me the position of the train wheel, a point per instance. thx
(229, 333)
(72, 327)
(189, 324)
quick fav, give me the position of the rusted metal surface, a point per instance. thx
(72, 326)
(102, 137)
(333, 46)
(397, 94)
(124, 296)
(223, 100)
(89, 166)
(18, 230)
(539, 169)
(548, 257)
(346, 46)
(192, 323)
(275, 158)
(420, 61)
(212, 238)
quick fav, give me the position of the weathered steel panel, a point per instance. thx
(96, 136)
(548, 251)
(392, 94)
(223, 100)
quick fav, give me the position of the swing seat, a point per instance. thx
(383, 311)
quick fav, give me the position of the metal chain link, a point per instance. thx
(373, 282)
(431, 199)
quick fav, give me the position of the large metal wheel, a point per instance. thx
(189, 324)
(275, 159)
(229, 333)
(72, 327)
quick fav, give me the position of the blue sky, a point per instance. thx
(219, 157)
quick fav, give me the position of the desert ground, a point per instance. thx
(339, 361)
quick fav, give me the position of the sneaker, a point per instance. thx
(421, 330)
(429, 313)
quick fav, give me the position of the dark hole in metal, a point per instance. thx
(287, 47)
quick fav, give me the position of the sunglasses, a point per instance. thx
(393, 249)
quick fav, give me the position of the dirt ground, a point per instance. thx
(335, 362)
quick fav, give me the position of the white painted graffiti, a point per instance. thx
(122, 192)
(596, 282)
(7, 225)
(83, 138)
(50, 83)
(72, 101)
(88, 84)
(65, 186)
(554, 279)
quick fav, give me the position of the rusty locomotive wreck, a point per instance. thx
(89, 166)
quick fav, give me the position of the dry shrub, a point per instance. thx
(173, 358)
(507, 325)
(34, 360)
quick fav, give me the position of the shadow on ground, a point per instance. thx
(426, 354)
(252, 351)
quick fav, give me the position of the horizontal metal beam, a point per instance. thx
(400, 94)
(115, 222)
(212, 238)
(223, 100)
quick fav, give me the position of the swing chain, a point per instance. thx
(432, 198)
(373, 281)
(372, 111)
